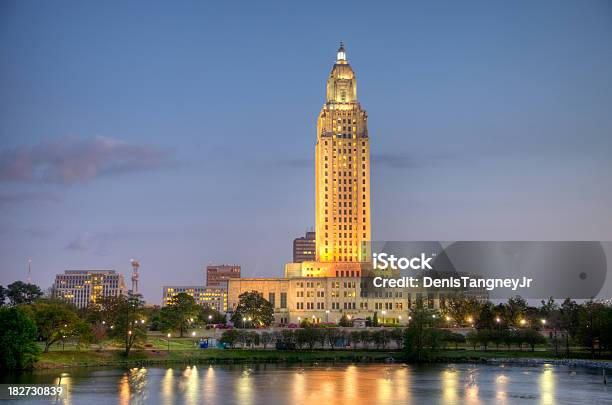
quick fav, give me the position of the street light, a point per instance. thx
(523, 322)
(168, 342)
(543, 321)
(497, 320)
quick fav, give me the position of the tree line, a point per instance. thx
(32, 323)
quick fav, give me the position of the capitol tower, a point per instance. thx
(342, 166)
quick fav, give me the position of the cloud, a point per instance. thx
(395, 161)
(10, 198)
(88, 241)
(69, 160)
(297, 162)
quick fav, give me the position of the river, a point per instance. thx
(320, 384)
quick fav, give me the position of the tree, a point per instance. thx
(366, 337)
(517, 308)
(125, 315)
(18, 348)
(486, 317)
(253, 308)
(421, 340)
(180, 313)
(397, 336)
(568, 320)
(375, 319)
(208, 315)
(266, 339)
(229, 337)
(333, 336)
(531, 337)
(345, 321)
(472, 338)
(55, 320)
(355, 338)
(381, 338)
(22, 293)
(453, 337)
(2, 295)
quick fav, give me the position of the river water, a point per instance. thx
(323, 384)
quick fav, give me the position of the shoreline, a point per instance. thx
(64, 360)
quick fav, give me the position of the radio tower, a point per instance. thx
(135, 266)
(29, 280)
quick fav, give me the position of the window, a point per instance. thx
(283, 300)
(271, 299)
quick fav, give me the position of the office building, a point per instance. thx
(85, 287)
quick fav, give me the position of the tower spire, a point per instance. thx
(341, 55)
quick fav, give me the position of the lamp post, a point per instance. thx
(169, 342)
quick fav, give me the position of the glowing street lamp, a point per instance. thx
(523, 322)
(497, 320)
(168, 341)
(543, 321)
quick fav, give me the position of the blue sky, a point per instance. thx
(182, 133)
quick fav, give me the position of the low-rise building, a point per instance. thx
(327, 299)
(208, 296)
(85, 287)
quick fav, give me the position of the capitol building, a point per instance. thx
(334, 283)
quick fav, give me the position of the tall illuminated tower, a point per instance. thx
(342, 163)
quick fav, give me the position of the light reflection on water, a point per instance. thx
(325, 384)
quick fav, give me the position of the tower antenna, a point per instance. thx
(29, 279)
(135, 275)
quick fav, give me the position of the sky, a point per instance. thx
(182, 133)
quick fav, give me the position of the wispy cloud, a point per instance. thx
(19, 197)
(395, 161)
(69, 160)
(88, 241)
(297, 162)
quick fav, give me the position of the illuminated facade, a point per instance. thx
(85, 287)
(331, 285)
(342, 170)
(208, 296)
(326, 299)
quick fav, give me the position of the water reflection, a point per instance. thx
(319, 384)
(450, 382)
(547, 385)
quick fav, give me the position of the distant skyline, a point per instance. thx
(183, 134)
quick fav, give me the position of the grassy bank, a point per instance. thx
(58, 359)
(73, 358)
